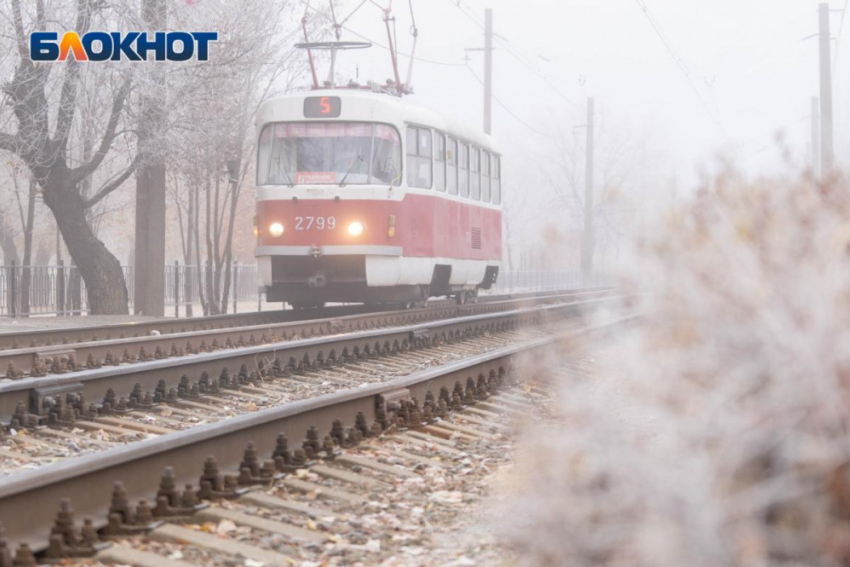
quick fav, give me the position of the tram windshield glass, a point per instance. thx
(329, 153)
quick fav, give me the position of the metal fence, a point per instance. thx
(60, 290)
(543, 280)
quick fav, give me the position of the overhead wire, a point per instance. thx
(373, 42)
(838, 41)
(354, 11)
(680, 64)
(504, 43)
(508, 110)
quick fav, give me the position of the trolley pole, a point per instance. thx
(488, 71)
(816, 137)
(826, 128)
(587, 240)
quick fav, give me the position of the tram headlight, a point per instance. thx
(276, 229)
(355, 228)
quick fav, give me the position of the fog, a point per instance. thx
(752, 73)
(711, 432)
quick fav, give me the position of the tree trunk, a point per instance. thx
(212, 296)
(100, 269)
(10, 254)
(187, 255)
(198, 269)
(26, 275)
(215, 256)
(228, 242)
(7, 243)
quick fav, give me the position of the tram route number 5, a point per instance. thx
(322, 107)
(315, 223)
(325, 104)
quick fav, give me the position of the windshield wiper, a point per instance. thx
(357, 162)
(285, 173)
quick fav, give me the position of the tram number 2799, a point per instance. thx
(315, 223)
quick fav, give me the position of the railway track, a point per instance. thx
(385, 496)
(101, 429)
(70, 335)
(341, 417)
(55, 399)
(59, 351)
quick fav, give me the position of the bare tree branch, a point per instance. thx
(39, 14)
(70, 84)
(83, 171)
(8, 142)
(20, 34)
(112, 185)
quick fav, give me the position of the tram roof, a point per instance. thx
(390, 109)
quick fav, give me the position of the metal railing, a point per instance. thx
(546, 280)
(60, 290)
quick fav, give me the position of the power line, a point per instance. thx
(503, 42)
(373, 42)
(508, 110)
(679, 64)
(419, 59)
(838, 41)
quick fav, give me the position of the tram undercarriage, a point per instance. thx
(306, 281)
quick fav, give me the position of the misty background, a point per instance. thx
(682, 91)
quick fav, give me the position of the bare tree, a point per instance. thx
(620, 160)
(212, 138)
(44, 121)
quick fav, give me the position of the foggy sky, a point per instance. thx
(746, 59)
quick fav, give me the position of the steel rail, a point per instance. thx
(55, 359)
(95, 384)
(69, 335)
(29, 500)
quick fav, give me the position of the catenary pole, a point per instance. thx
(815, 136)
(149, 284)
(587, 240)
(826, 117)
(488, 71)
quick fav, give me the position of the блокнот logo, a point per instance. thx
(116, 46)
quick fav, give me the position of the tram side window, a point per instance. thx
(440, 164)
(475, 174)
(419, 157)
(496, 175)
(463, 171)
(485, 177)
(451, 167)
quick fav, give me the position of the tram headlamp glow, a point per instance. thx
(355, 228)
(276, 229)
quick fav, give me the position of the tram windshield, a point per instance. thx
(329, 153)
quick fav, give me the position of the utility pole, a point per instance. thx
(816, 137)
(826, 129)
(488, 69)
(587, 240)
(148, 274)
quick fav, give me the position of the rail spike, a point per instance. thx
(24, 557)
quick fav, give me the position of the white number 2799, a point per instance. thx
(315, 223)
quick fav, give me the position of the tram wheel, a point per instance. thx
(300, 305)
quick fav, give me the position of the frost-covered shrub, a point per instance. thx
(716, 433)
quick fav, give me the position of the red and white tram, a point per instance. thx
(363, 197)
